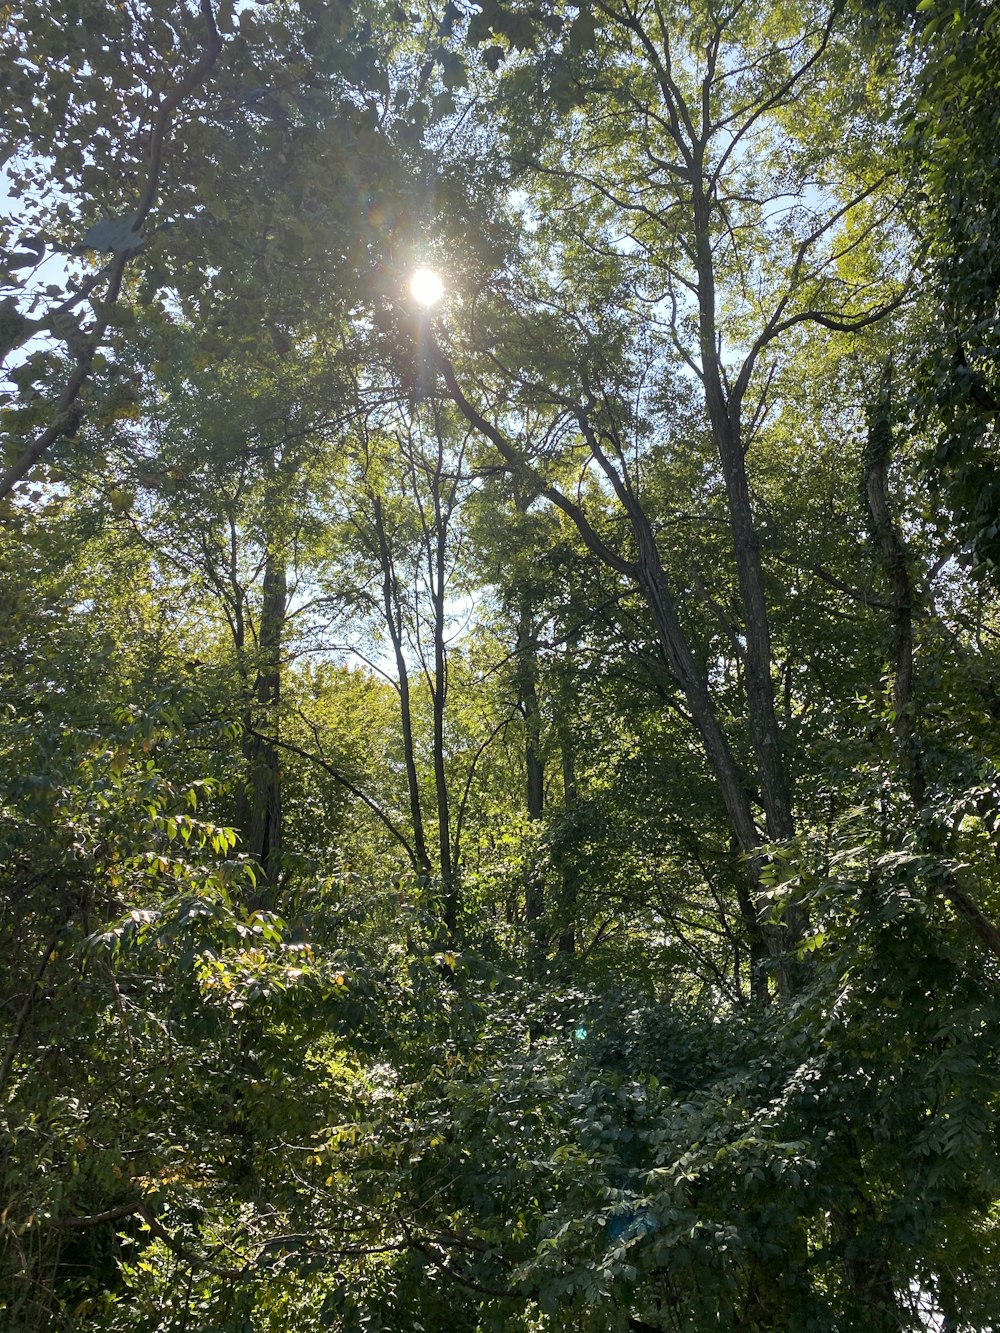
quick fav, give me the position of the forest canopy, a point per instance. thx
(499, 645)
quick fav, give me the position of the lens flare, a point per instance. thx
(426, 287)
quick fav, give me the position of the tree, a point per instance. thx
(699, 159)
(495, 800)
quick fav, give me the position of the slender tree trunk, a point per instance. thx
(534, 769)
(724, 415)
(649, 574)
(393, 624)
(262, 826)
(866, 1252)
(567, 936)
(439, 699)
(730, 781)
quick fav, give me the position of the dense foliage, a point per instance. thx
(500, 806)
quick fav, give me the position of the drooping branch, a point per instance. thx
(140, 1208)
(345, 782)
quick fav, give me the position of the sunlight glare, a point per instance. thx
(426, 287)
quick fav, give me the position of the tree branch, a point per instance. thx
(66, 417)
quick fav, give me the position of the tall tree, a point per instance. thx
(720, 239)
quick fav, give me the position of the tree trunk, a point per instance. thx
(393, 624)
(730, 781)
(648, 574)
(725, 418)
(262, 821)
(439, 699)
(567, 936)
(527, 702)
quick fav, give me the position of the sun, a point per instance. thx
(426, 287)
